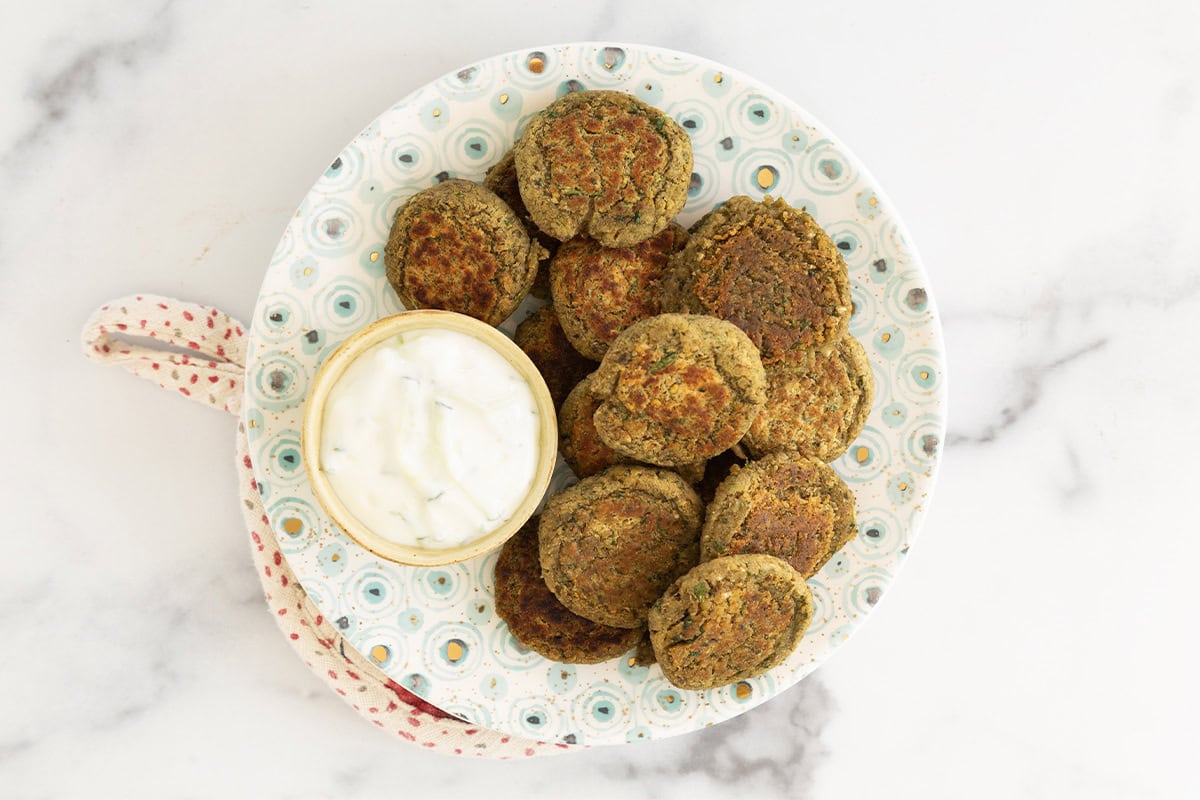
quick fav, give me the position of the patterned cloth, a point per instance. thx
(209, 369)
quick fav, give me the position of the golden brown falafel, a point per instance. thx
(769, 269)
(583, 450)
(676, 389)
(816, 404)
(457, 246)
(786, 505)
(729, 619)
(613, 542)
(604, 164)
(600, 291)
(538, 620)
(581, 447)
(541, 337)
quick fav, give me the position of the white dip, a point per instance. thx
(430, 438)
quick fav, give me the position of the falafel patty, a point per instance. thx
(769, 269)
(729, 619)
(538, 620)
(604, 164)
(501, 178)
(458, 247)
(613, 542)
(541, 337)
(583, 450)
(578, 442)
(676, 389)
(786, 505)
(600, 291)
(816, 404)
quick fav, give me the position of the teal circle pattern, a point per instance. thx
(282, 317)
(922, 443)
(919, 376)
(346, 305)
(759, 172)
(332, 559)
(907, 299)
(473, 148)
(562, 678)
(895, 415)
(375, 593)
(878, 535)
(535, 68)
(664, 703)
(295, 522)
(867, 457)
(279, 382)
(601, 710)
(334, 227)
(469, 83)
(696, 120)
(759, 113)
(440, 587)
(407, 160)
(435, 630)
(853, 242)
(630, 671)
(866, 590)
(344, 172)
(826, 170)
(411, 619)
(386, 649)
(453, 649)
(283, 452)
(507, 104)
(535, 717)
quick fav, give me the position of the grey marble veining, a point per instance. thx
(79, 81)
(1036, 644)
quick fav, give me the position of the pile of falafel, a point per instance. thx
(704, 380)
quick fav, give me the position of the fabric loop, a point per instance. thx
(196, 351)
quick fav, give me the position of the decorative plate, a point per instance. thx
(435, 630)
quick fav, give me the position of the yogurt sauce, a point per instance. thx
(430, 438)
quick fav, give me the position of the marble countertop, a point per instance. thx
(1040, 640)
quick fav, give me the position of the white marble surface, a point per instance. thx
(1039, 643)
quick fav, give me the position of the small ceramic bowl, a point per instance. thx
(359, 343)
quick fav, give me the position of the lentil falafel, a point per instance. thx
(613, 542)
(541, 337)
(768, 268)
(538, 620)
(583, 450)
(604, 164)
(729, 619)
(816, 404)
(786, 505)
(581, 447)
(676, 389)
(600, 291)
(459, 247)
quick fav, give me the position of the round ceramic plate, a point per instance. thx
(435, 630)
